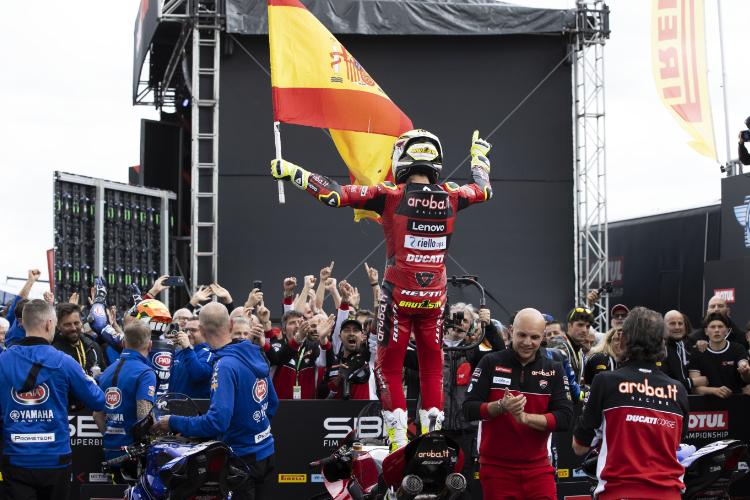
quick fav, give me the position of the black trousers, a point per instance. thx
(468, 444)
(258, 483)
(36, 484)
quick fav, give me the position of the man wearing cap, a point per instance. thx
(353, 351)
(617, 316)
(579, 325)
(735, 334)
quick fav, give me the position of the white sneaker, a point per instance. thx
(432, 420)
(395, 423)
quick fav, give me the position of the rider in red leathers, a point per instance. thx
(417, 216)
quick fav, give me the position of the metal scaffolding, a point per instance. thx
(590, 253)
(192, 75)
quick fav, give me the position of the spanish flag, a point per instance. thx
(317, 82)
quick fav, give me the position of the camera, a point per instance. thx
(607, 288)
(745, 134)
(454, 322)
(172, 329)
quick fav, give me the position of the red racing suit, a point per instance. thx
(417, 222)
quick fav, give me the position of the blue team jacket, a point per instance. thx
(191, 373)
(243, 403)
(16, 332)
(35, 379)
(129, 379)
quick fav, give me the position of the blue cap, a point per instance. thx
(547, 317)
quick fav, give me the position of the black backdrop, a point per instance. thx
(520, 243)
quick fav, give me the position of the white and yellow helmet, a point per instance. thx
(417, 151)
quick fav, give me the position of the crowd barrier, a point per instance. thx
(305, 431)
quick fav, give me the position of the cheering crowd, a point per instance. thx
(314, 353)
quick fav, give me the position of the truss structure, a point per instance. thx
(191, 78)
(591, 252)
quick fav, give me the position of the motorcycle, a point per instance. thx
(709, 471)
(362, 469)
(176, 467)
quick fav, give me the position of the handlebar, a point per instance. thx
(324, 461)
(117, 461)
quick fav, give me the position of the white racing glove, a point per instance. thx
(286, 171)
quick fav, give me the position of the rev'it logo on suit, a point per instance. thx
(424, 279)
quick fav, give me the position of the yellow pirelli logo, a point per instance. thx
(562, 472)
(292, 478)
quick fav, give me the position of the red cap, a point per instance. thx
(620, 307)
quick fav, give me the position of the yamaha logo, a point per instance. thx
(15, 415)
(260, 389)
(35, 396)
(112, 398)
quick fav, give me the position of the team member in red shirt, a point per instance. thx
(417, 216)
(637, 414)
(520, 396)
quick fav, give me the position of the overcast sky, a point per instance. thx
(66, 92)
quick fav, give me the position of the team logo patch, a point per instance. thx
(35, 396)
(424, 279)
(500, 380)
(543, 384)
(260, 389)
(477, 372)
(162, 361)
(112, 398)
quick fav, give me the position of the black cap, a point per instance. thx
(352, 320)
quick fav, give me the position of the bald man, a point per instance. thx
(522, 397)
(242, 420)
(675, 364)
(736, 334)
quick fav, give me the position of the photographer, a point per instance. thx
(638, 416)
(191, 372)
(458, 367)
(742, 150)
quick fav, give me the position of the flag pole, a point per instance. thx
(277, 140)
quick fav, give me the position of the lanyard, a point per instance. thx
(578, 357)
(81, 353)
(299, 362)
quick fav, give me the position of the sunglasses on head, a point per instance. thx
(578, 310)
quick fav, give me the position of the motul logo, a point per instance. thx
(709, 421)
(430, 203)
(725, 293)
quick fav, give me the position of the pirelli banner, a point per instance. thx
(305, 431)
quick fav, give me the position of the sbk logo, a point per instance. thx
(35, 396)
(424, 279)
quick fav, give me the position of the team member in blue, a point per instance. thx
(239, 419)
(129, 387)
(191, 374)
(35, 379)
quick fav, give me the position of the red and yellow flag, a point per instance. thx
(678, 57)
(317, 82)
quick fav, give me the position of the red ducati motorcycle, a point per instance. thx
(362, 468)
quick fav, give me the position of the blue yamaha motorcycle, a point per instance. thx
(176, 467)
